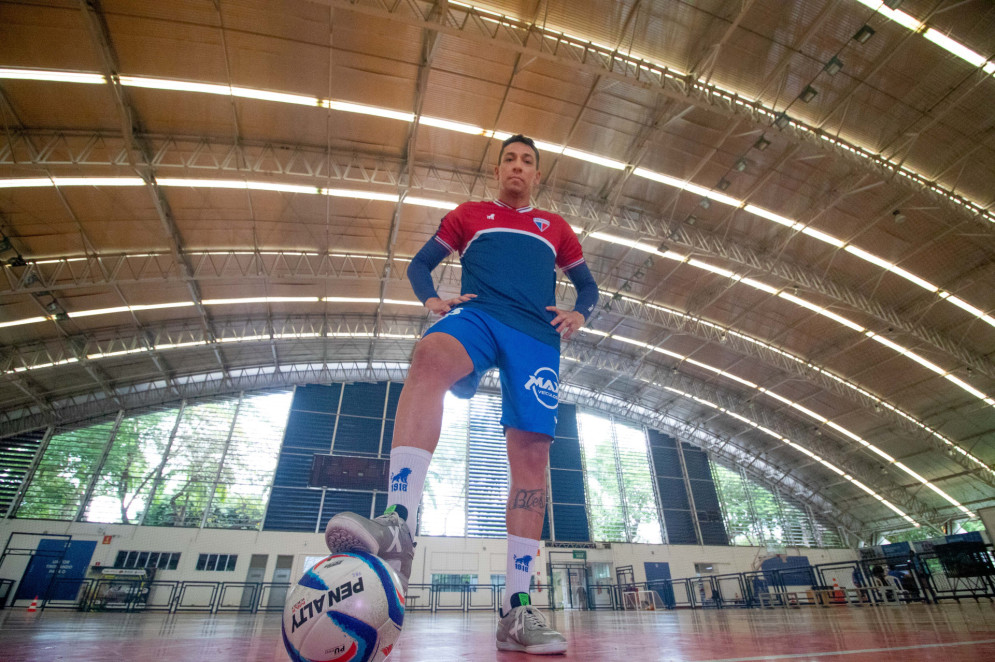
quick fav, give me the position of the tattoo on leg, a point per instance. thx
(534, 500)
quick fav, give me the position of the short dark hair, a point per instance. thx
(519, 138)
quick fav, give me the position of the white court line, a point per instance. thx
(792, 656)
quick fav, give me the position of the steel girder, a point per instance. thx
(324, 168)
(660, 376)
(63, 273)
(501, 31)
(355, 334)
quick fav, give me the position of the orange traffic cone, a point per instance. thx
(33, 607)
(838, 595)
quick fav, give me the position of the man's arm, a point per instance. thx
(568, 321)
(587, 289)
(428, 258)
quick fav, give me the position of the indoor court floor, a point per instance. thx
(949, 632)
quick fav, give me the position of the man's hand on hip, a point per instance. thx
(443, 306)
(566, 321)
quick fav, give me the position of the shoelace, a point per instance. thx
(535, 617)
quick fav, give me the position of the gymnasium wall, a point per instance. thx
(481, 556)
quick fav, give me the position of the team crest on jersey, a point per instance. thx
(541, 223)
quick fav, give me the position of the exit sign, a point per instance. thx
(580, 554)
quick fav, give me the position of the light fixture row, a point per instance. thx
(707, 194)
(297, 336)
(137, 308)
(96, 356)
(603, 236)
(889, 10)
(799, 301)
(811, 366)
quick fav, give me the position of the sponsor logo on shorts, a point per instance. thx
(545, 386)
(399, 481)
(523, 562)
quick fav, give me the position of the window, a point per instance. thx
(466, 488)
(617, 476)
(64, 472)
(755, 515)
(209, 463)
(157, 560)
(444, 497)
(217, 562)
(446, 583)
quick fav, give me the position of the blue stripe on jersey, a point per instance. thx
(513, 274)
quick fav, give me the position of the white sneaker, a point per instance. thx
(387, 536)
(524, 628)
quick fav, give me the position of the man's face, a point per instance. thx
(517, 173)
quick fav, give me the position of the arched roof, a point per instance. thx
(792, 227)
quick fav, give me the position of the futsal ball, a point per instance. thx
(346, 608)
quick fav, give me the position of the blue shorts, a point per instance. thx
(529, 368)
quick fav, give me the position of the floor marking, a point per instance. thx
(851, 652)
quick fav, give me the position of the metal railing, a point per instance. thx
(854, 583)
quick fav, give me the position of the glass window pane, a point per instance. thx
(444, 497)
(64, 472)
(194, 460)
(642, 514)
(122, 489)
(736, 508)
(240, 496)
(487, 470)
(601, 477)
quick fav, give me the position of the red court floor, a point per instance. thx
(948, 632)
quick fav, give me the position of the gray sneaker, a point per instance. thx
(524, 628)
(387, 536)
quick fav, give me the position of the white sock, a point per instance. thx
(408, 466)
(522, 557)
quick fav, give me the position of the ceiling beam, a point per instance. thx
(527, 38)
(596, 214)
(116, 269)
(139, 152)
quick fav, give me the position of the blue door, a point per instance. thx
(660, 573)
(71, 558)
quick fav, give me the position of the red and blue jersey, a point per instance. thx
(509, 258)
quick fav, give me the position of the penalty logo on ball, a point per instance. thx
(345, 608)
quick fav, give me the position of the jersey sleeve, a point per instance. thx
(450, 233)
(569, 254)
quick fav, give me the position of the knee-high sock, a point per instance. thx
(408, 467)
(522, 557)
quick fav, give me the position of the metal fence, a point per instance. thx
(925, 577)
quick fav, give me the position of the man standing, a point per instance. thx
(506, 317)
